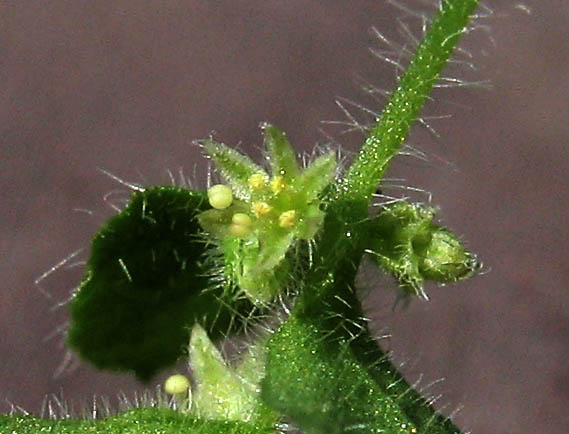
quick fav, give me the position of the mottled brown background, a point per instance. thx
(126, 85)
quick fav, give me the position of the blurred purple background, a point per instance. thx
(127, 85)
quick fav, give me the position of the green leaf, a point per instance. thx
(323, 388)
(138, 421)
(235, 167)
(145, 286)
(281, 154)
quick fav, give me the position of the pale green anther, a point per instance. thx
(176, 384)
(220, 196)
(287, 219)
(240, 231)
(235, 167)
(242, 219)
(257, 181)
(281, 154)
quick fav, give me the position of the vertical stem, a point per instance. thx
(413, 89)
(345, 360)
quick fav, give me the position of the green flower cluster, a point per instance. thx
(258, 217)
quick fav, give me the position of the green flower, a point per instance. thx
(258, 217)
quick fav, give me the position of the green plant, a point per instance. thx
(179, 266)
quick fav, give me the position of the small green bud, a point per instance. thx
(406, 243)
(242, 219)
(446, 259)
(240, 231)
(220, 196)
(278, 184)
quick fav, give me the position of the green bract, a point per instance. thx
(223, 392)
(269, 212)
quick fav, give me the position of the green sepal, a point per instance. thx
(273, 251)
(235, 167)
(223, 392)
(404, 240)
(145, 285)
(281, 154)
(313, 179)
(311, 222)
(265, 269)
(261, 282)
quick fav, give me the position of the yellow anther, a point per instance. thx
(176, 384)
(241, 219)
(287, 219)
(257, 180)
(277, 184)
(220, 196)
(240, 231)
(261, 208)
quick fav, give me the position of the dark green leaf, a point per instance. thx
(145, 286)
(137, 421)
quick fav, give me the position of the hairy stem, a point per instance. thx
(346, 356)
(408, 99)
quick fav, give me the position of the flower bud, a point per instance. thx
(220, 196)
